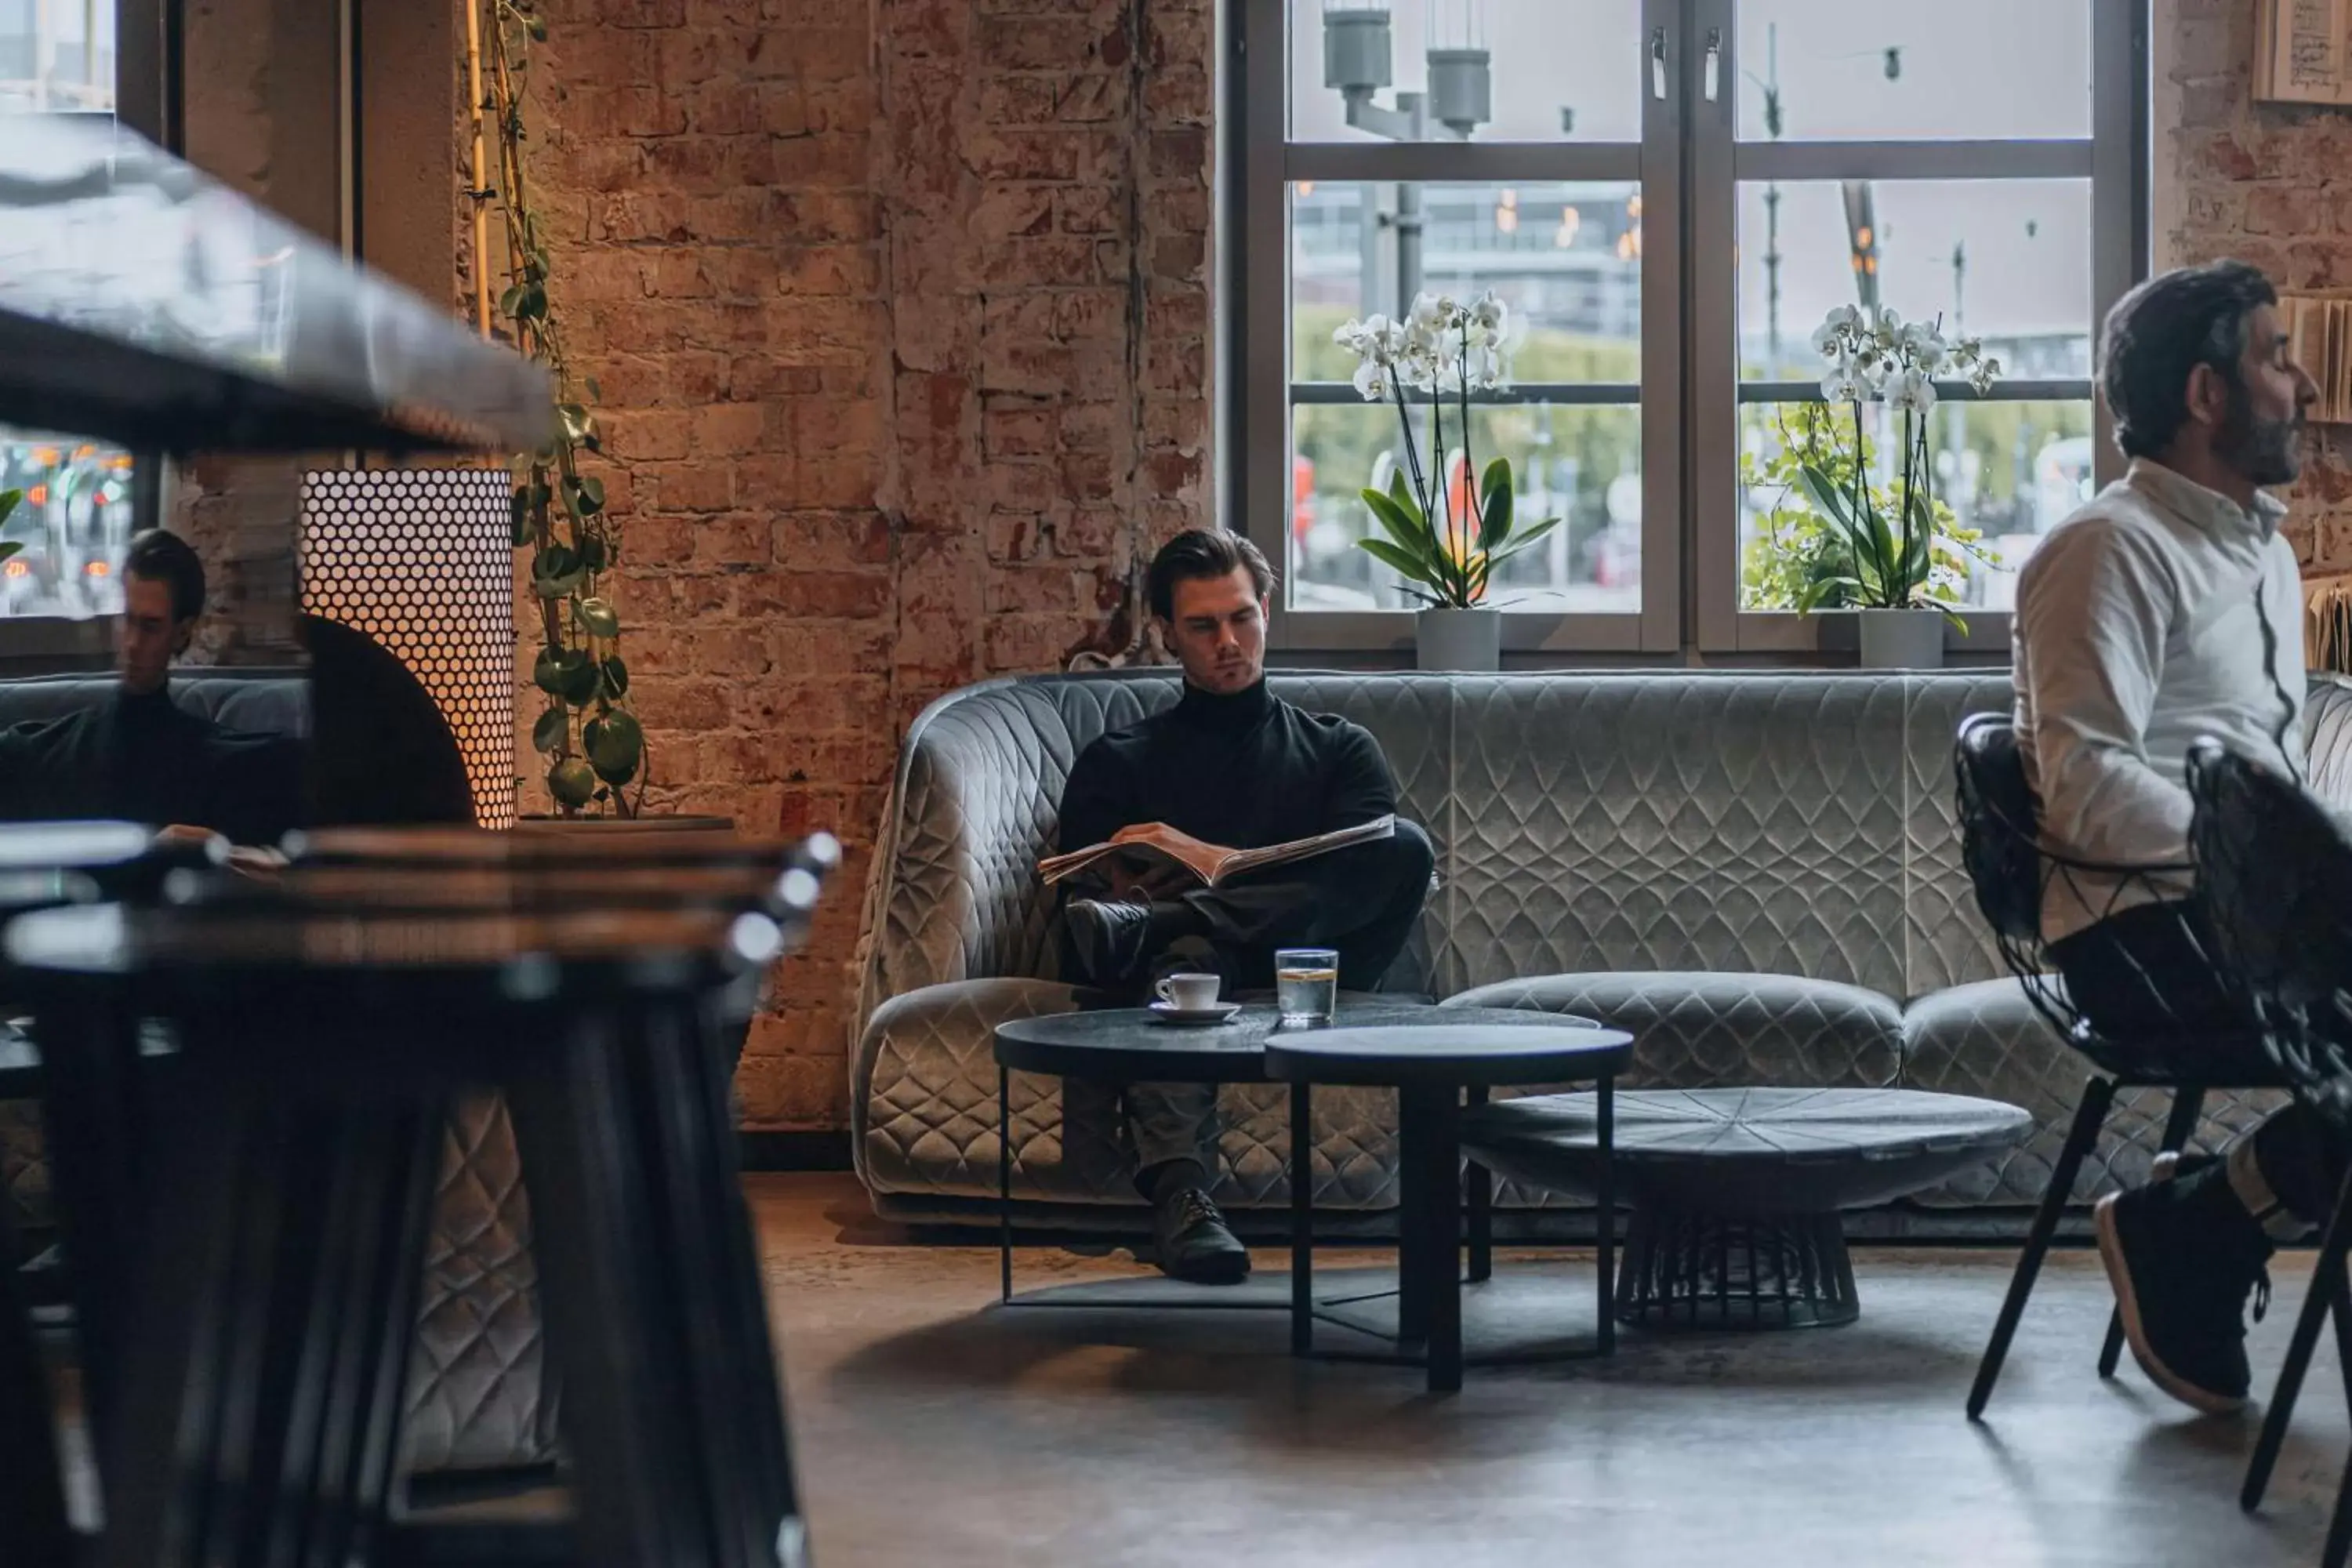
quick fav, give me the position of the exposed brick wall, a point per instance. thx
(2269, 184)
(900, 313)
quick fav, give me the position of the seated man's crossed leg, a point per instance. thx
(1234, 767)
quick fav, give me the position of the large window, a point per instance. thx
(75, 514)
(1671, 195)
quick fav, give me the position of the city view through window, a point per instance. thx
(2008, 260)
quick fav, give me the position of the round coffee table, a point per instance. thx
(1134, 1044)
(1430, 1062)
(1736, 1191)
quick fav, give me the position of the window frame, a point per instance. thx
(147, 74)
(1272, 163)
(1689, 164)
(2114, 158)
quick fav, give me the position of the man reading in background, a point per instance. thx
(140, 756)
(1234, 768)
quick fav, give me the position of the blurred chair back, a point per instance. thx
(2274, 868)
(2000, 847)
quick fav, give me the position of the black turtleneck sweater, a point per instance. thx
(1241, 772)
(146, 759)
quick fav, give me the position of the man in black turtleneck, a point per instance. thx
(140, 756)
(1235, 766)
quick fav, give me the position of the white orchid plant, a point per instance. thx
(1889, 533)
(1442, 349)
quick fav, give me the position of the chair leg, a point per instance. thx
(2179, 1126)
(2328, 1290)
(2339, 1524)
(2090, 1115)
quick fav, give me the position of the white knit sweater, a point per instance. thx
(2140, 628)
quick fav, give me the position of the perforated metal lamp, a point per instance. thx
(422, 560)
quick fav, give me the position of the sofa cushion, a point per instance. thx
(1697, 1030)
(1986, 1039)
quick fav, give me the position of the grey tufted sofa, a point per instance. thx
(475, 1399)
(1757, 874)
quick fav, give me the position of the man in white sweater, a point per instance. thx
(2166, 609)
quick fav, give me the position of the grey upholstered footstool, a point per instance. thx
(1736, 1191)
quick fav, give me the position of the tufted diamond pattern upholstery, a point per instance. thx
(1758, 874)
(476, 1394)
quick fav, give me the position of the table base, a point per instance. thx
(1434, 1224)
(1511, 1320)
(1690, 1270)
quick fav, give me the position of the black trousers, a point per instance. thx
(1363, 901)
(2152, 968)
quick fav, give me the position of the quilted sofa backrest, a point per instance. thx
(1797, 824)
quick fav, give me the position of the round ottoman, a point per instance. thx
(1736, 1191)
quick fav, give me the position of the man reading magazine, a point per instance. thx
(1229, 767)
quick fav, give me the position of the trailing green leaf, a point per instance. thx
(1495, 506)
(552, 729)
(615, 744)
(597, 617)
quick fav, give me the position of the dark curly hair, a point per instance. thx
(2163, 329)
(162, 556)
(1203, 552)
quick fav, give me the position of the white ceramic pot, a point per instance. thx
(1464, 640)
(1902, 639)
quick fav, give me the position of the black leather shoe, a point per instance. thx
(2183, 1254)
(1108, 941)
(1194, 1242)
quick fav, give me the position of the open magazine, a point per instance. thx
(1151, 847)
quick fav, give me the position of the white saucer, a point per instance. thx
(1215, 1013)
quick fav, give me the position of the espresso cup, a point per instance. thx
(1188, 992)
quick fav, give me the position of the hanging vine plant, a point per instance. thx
(591, 744)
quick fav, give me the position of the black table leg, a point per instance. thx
(1604, 1270)
(718, 1303)
(1479, 1190)
(1003, 1184)
(1415, 1109)
(92, 1128)
(1302, 1221)
(592, 1233)
(1442, 1251)
(165, 1438)
(32, 1486)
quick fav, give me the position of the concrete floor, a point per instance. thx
(930, 1426)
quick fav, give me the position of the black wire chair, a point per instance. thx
(2276, 870)
(2012, 874)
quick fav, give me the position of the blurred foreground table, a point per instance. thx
(259, 1342)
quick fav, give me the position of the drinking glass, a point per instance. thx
(1305, 984)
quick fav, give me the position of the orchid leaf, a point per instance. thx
(1409, 567)
(1495, 506)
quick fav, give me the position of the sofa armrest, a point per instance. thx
(923, 1085)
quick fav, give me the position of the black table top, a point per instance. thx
(638, 842)
(516, 952)
(1134, 1044)
(1449, 1048)
(1762, 1126)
